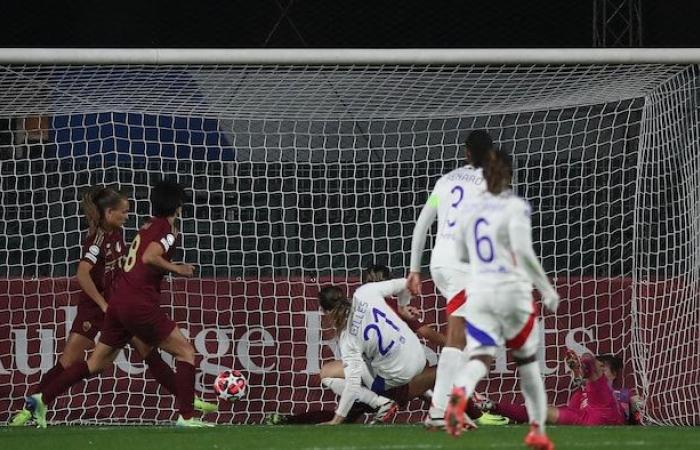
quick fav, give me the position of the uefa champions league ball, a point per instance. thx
(230, 385)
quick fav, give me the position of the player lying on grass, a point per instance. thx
(134, 311)
(449, 263)
(379, 351)
(417, 387)
(595, 402)
(103, 248)
(495, 229)
(332, 374)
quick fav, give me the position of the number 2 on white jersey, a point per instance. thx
(458, 193)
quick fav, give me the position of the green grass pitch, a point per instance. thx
(347, 437)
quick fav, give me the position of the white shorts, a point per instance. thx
(501, 316)
(451, 284)
(411, 364)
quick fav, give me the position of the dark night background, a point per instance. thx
(317, 23)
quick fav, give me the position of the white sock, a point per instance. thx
(533, 390)
(450, 362)
(470, 375)
(364, 395)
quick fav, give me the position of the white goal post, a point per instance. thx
(307, 165)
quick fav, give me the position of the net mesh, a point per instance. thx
(302, 175)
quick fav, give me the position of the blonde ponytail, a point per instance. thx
(95, 202)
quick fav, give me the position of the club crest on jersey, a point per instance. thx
(86, 326)
(95, 250)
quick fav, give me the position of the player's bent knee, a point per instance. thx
(332, 369)
(455, 332)
(101, 358)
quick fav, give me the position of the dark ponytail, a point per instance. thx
(479, 145)
(96, 201)
(376, 272)
(336, 306)
(498, 171)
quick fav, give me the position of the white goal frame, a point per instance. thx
(689, 57)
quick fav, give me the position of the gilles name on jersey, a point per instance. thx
(358, 318)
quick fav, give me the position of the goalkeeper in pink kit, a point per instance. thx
(596, 403)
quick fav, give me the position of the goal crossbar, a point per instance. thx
(349, 56)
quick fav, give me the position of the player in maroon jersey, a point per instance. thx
(105, 210)
(134, 311)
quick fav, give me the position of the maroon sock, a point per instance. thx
(472, 411)
(311, 417)
(62, 383)
(399, 394)
(356, 412)
(518, 413)
(184, 379)
(161, 372)
(52, 374)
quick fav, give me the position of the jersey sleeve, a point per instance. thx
(420, 231)
(92, 248)
(391, 288)
(352, 367)
(165, 236)
(520, 236)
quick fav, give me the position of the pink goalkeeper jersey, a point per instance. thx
(597, 398)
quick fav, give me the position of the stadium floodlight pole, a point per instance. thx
(350, 56)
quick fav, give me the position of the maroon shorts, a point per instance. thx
(88, 320)
(145, 321)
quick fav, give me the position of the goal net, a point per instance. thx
(304, 174)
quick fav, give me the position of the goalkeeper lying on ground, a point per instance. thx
(595, 401)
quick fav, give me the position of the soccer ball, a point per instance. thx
(230, 385)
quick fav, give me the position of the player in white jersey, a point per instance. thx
(496, 230)
(379, 351)
(448, 262)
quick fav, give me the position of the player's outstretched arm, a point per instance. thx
(154, 257)
(397, 287)
(431, 335)
(352, 367)
(420, 232)
(520, 232)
